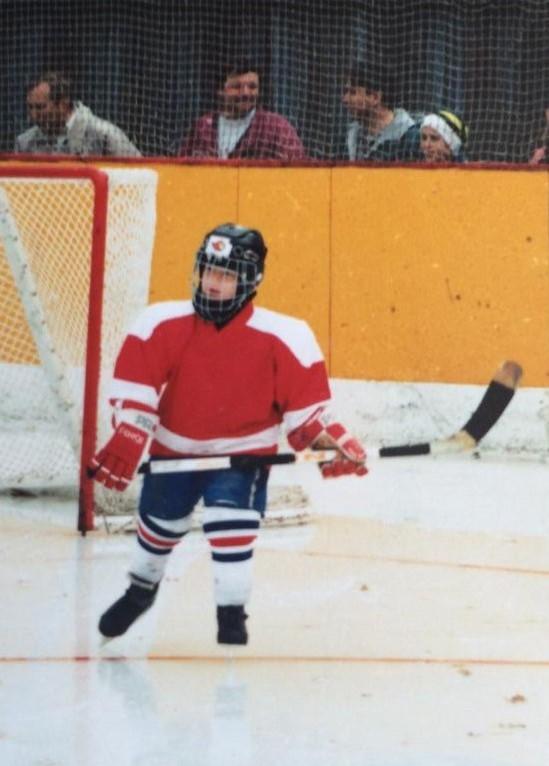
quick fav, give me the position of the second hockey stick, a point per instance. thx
(493, 404)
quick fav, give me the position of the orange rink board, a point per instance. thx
(452, 272)
(404, 274)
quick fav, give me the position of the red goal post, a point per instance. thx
(75, 255)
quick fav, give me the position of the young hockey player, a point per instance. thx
(213, 376)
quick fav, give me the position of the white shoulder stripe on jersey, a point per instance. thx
(294, 333)
(135, 392)
(156, 313)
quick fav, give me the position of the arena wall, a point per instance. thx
(405, 274)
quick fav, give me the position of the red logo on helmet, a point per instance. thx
(218, 246)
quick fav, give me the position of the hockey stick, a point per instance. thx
(497, 396)
(215, 462)
(493, 404)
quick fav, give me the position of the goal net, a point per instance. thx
(75, 258)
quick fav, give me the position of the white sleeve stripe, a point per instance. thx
(295, 418)
(136, 392)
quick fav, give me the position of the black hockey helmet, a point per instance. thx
(233, 248)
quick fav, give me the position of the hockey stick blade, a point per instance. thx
(217, 462)
(493, 404)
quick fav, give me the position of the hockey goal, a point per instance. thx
(75, 257)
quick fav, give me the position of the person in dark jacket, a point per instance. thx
(379, 129)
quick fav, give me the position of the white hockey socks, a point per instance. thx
(232, 533)
(156, 538)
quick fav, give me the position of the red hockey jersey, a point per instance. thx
(220, 391)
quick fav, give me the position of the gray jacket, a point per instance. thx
(86, 135)
(390, 143)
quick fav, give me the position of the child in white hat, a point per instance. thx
(442, 137)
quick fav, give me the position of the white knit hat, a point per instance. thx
(449, 126)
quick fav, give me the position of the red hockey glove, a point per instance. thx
(115, 464)
(352, 458)
(322, 432)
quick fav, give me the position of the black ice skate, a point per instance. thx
(137, 599)
(230, 625)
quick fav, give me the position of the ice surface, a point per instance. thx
(407, 625)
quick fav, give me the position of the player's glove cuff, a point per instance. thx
(145, 420)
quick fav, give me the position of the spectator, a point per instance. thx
(443, 136)
(65, 126)
(241, 129)
(541, 152)
(379, 130)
